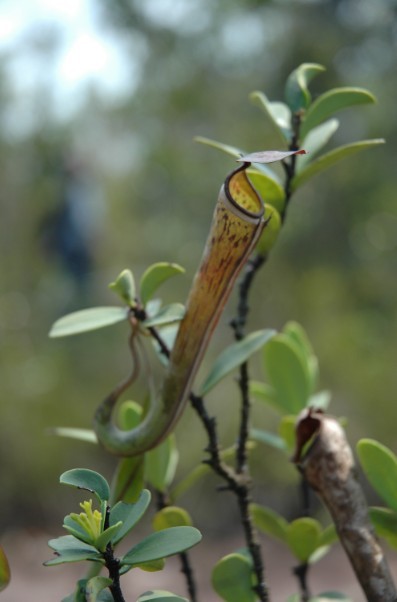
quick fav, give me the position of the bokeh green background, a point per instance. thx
(193, 64)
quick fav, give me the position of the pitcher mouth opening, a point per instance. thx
(242, 195)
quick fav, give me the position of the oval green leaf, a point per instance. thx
(5, 574)
(83, 478)
(166, 315)
(332, 101)
(271, 192)
(303, 537)
(128, 514)
(154, 276)
(124, 287)
(270, 232)
(161, 463)
(297, 93)
(95, 586)
(269, 521)
(162, 544)
(298, 335)
(380, 466)
(385, 523)
(235, 355)
(171, 516)
(288, 373)
(88, 319)
(286, 430)
(332, 157)
(232, 579)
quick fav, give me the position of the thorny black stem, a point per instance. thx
(300, 572)
(186, 567)
(113, 566)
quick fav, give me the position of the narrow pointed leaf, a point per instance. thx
(129, 514)
(232, 579)
(380, 466)
(278, 114)
(69, 549)
(86, 435)
(5, 574)
(303, 537)
(271, 192)
(124, 287)
(76, 530)
(161, 463)
(385, 523)
(95, 586)
(235, 152)
(331, 102)
(268, 438)
(166, 315)
(88, 319)
(286, 431)
(235, 355)
(162, 544)
(109, 534)
(332, 157)
(265, 393)
(298, 335)
(315, 141)
(154, 276)
(83, 478)
(160, 596)
(297, 93)
(269, 521)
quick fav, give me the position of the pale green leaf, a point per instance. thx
(268, 438)
(87, 319)
(95, 586)
(83, 478)
(303, 537)
(161, 463)
(279, 116)
(288, 373)
(129, 515)
(332, 157)
(166, 315)
(154, 276)
(269, 521)
(332, 101)
(233, 356)
(171, 516)
(161, 545)
(270, 191)
(232, 579)
(297, 93)
(315, 140)
(124, 287)
(380, 466)
(86, 435)
(385, 523)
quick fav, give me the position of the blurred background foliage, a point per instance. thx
(101, 173)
